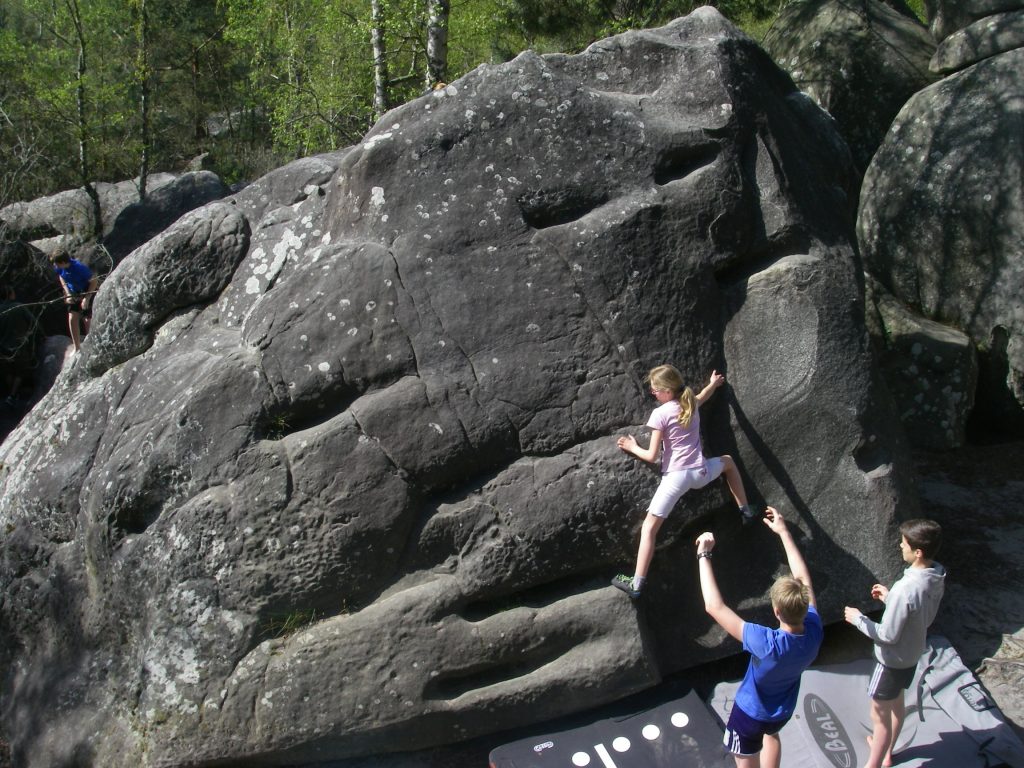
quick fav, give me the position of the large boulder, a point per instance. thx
(368, 497)
(941, 217)
(949, 16)
(143, 220)
(931, 370)
(69, 214)
(990, 36)
(860, 61)
(28, 271)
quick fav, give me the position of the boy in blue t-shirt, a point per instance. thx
(79, 286)
(767, 696)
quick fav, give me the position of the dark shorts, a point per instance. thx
(745, 736)
(888, 683)
(75, 305)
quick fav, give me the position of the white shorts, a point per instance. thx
(675, 484)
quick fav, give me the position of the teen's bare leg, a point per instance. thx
(899, 713)
(648, 537)
(735, 482)
(748, 761)
(73, 325)
(771, 752)
(881, 733)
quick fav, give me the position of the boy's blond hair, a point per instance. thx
(790, 598)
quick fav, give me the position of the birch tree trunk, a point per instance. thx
(84, 167)
(142, 65)
(437, 41)
(380, 64)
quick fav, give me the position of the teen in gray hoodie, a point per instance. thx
(910, 608)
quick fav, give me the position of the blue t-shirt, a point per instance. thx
(770, 687)
(76, 276)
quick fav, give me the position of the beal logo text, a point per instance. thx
(828, 732)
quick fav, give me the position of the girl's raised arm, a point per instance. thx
(717, 379)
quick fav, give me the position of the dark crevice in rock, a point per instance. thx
(509, 663)
(290, 419)
(738, 273)
(677, 163)
(415, 307)
(534, 597)
(872, 456)
(483, 676)
(550, 208)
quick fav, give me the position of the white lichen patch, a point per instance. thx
(373, 141)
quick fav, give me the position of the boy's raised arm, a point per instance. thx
(713, 602)
(774, 520)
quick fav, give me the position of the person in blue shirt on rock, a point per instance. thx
(768, 694)
(79, 286)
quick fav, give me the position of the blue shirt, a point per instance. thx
(76, 276)
(777, 659)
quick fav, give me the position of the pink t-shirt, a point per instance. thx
(680, 446)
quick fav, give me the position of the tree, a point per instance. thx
(142, 77)
(80, 41)
(437, 41)
(378, 37)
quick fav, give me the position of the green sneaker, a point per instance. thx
(625, 583)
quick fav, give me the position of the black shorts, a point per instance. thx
(888, 683)
(75, 305)
(744, 735)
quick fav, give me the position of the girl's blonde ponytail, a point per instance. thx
(687, 407)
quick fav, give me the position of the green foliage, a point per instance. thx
(256, 82)
(918, 7)
(284, 625)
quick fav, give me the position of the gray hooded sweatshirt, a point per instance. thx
(910, 609)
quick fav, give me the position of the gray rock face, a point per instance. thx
(982, 39)
(942, 212)
(860, 61)
(949, 16)
(183, 267)
(140, 221)
(70, 212)
(931, 370)
(368, 498)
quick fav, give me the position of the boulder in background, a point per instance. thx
(860, 61)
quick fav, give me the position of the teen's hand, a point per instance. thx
(717, 379)
(852, 615)
(879, 592)
(774, 520)
(627, 443)
(705, 542)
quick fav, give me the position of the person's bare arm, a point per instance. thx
(90, 291)
(725, 616)
(774, 520)
(717, 379)
(649, 454)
